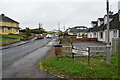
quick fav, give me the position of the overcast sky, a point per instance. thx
(50, 12)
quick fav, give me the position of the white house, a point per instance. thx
(100, 30)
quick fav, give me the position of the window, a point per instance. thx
(115, 34)
(101, 35)
(16, 25)
(5, 29)
(2, 29)
(74, 34)
(16, 30)
(12, 24)
(3, 23)
(11, 30)
(94, 35)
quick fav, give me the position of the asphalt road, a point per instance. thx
(22, 61)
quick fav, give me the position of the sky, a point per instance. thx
(70, 13)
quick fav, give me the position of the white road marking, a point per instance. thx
(36, 43)
(27, 46)
(10, 51)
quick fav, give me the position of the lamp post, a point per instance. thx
(108, 36)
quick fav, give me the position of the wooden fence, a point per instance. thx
(116, 46)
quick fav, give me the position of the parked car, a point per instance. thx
(39, 36)
(78, 36)
(48, 36)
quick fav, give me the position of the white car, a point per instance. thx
(78, 36)
(48, 36)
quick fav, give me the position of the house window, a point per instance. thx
(16, 30)
(3, 23)
(11, 30)
(16, 25)
(101, 35)
(12, 24)
(94, 35)
(2, 29)
(5, 29)
(74, 34)
(115, 34)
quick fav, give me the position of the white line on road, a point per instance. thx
(36, 43)
(10, 51)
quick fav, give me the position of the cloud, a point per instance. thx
(50, 12)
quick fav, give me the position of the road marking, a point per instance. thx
(10, 51)
(27, 46)
(36, 43)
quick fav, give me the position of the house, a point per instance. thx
(54, 30)
(91, 32)
(8, 25)
(78, 30)
(99, 30)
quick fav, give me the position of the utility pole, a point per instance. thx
(39, 26)
(108, 36)
(59, 26)
(64, 28)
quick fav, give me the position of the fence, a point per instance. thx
(84, 51)
(116, 46)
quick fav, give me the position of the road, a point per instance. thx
(22, 61)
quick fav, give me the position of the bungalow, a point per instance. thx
(100, 31)
(91, 32)
(8, 25)
(78, 30)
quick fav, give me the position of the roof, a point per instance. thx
(94, 22)
(114, 24)
(7, 19)
(77, 29)
(101, 19)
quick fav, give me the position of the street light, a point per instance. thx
(108, 36)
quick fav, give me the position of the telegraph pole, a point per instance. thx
(39, 26)
(108, 36)
(59, 26)
(64, 28)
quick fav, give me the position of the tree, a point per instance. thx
(28, 32)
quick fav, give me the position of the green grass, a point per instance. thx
(69, 68)
(5, 39)
(14, 36)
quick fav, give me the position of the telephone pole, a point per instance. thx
(59, 26)
(108, 36)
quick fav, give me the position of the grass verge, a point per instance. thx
(78, 68)
(14, 36)
(5, 39)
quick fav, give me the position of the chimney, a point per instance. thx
(2, 15)
(110, 13)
